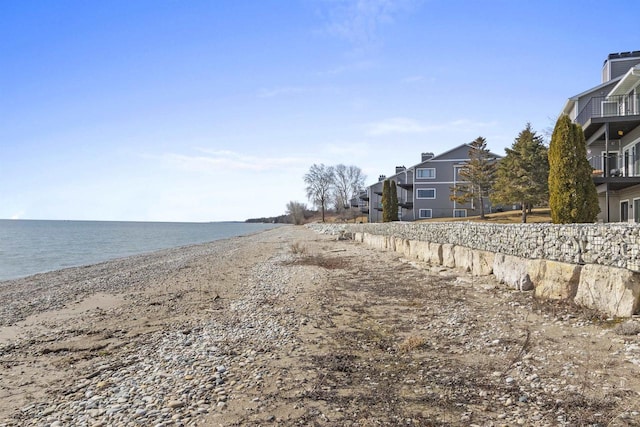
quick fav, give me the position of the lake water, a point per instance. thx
(31, 246)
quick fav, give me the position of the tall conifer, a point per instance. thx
(523, 174)
(393, 200)
(476, 176)
(386, 201)
(572, 193)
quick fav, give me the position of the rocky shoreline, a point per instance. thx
(289, 327)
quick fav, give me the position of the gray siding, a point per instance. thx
(621, 66)
(444, 179)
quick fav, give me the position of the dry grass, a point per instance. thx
(330, 263)
(412, 343)
(298, 248)
(540, 215)
(628, 328)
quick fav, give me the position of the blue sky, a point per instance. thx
(214, 110)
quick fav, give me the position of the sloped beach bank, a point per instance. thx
(289, 327)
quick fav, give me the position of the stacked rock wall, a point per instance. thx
(596, 265)
(615, 245)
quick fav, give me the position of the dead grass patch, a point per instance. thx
(412, 343)
(297, 248)
(628, 328)
(330, 263)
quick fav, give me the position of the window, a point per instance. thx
(459, 213)
(426, 193)
(426, 173)
(425, 213)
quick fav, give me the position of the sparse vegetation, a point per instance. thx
(297, 248)
(411, 343)
(296, 212)
(628, 328)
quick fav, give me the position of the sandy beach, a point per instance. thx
(294, 328)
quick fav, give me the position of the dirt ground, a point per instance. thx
(377, 340)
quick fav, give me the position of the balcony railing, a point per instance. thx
(610, 106)
(614, 165)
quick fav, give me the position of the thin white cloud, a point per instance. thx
(279, 91)
(348, 150)
(398, 125)
(413, 79)
(347, 68)
(404, 125)
(467, 124)
(213, 161)
(358, 21)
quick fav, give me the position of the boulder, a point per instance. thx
(390, 242)
(375, 240)
(463, 258)
(612, 290)
(420, 250)
(512, 271)
(403, 246)
(448, 260)
(481, 263)
(553, 279)
(435, 254)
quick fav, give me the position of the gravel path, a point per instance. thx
(289, 327)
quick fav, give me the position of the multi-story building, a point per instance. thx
(424, 190)
(610, 118)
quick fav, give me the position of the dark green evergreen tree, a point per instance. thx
(386, 201)
(393, 200)
(572, 193)
(522, 175)
(476, 176)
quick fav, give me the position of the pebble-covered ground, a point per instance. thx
(289, 327)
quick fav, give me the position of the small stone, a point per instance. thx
(48, 411)
(173, 404)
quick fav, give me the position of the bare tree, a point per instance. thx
(320, 182)
(296, 211)
(349, 181)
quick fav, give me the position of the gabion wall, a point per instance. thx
(614, 245)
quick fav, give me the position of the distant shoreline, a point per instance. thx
(34, 246)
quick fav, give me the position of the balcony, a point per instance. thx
(405, 185)
(618, 172)
(622, 112)
(406, 204)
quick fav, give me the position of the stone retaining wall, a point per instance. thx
(596, 265)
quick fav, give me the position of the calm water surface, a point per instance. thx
(28, 247)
